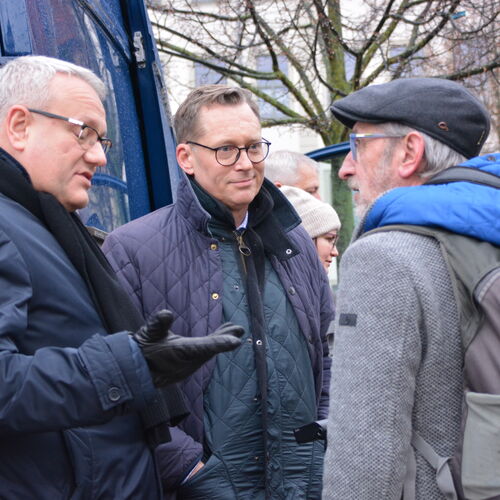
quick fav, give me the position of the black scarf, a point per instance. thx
(113, 305)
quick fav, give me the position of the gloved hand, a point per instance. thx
(171, 357)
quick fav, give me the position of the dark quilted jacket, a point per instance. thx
(168, 259)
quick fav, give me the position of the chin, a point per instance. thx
(244, 199)
(75, 204)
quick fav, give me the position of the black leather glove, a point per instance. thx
(171, 357)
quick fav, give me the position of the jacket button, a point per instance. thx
(288, 251)
(292, 291)
(215, 296)
(114, 394)
(258, 342)
(213, 246)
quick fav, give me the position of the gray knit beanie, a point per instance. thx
(317, 216)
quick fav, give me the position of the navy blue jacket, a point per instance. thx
(69, 393)
(190, 283)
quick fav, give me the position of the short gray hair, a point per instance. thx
(186, 123)
(438, 155)
(283, 166)
(26, 80)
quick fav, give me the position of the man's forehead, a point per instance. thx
(366, 127)
(225, 121)
(307, 170)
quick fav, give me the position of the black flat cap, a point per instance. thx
(443, 109)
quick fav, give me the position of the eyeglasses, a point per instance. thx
(229, 155)
(353, 138)
(333, 239)
(87, 137)
(330, 238)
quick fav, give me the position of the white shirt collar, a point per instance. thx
(244, 222)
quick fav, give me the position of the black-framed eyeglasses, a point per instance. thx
(229, 155)
(353, 141)
(87, 137)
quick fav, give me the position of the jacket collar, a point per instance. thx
(270, 214)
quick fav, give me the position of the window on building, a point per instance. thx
(204, 75)
(349, 63)
(274, 88)
(412, 67)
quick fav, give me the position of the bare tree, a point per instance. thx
(316, 51)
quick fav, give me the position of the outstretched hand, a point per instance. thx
(172, 357)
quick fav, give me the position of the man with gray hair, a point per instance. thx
(231, 248)
(397, 378)
(79, 408)
(288, 168)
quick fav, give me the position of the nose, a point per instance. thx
(96, 156)
(348, 167)
(334, 252)
(243, 162)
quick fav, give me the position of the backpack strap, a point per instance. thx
(440, 464)
(467, 174)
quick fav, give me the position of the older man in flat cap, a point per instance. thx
(397, 353)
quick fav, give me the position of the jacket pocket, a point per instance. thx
(210, 482)
(481, 449)
(80, 456)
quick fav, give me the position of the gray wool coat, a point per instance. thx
(396, 368)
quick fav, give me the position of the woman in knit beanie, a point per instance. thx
(319, 219)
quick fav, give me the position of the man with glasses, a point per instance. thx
(397, 361)
(231, 248)
(79, 408)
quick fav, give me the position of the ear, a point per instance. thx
(185, 158)
(412, 155)
(17, 123)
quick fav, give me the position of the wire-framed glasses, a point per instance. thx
(87, 136)
(229, 155)
(354, 138)
(331, 238)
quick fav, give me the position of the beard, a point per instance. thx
(382, 180)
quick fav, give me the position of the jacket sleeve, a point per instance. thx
(376, 355)
(59, 387)
(177, 457)
(125, 268)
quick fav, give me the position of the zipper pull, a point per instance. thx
(244, 250)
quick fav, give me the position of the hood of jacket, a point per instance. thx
(460, 207)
